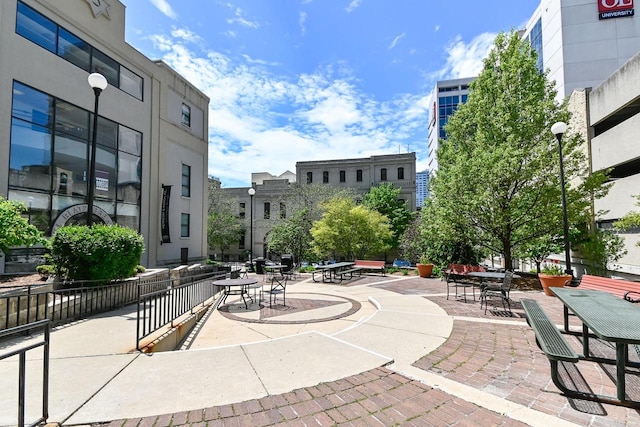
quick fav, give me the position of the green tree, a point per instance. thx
(304, 203)
(15, 230)
(224, 228)
(350, 230)
(498, 178)
(629, 221)
(384, 199)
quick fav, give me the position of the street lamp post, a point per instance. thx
(252, 192)
(99, 83)
(559, 128)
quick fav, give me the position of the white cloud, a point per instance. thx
(396, 40)
(353, 5)
(260, 121)
(239, 19)
(301, 22)
(164, 7)
(465, 60)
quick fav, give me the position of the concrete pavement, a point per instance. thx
(251, 355)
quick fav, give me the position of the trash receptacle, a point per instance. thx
(287, 259)
(260, 262)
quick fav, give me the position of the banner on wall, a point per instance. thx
(164, 214)
(608, 9)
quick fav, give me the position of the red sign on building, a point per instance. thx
(615, 8)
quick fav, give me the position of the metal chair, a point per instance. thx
(277, 286)
(493, 290)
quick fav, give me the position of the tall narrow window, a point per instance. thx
(359, 175)
(186, 115)
(186, 180)
(283, 211)
(243, 209)
(325, 177)
(185, 220)
(343, 176)
(383, 174)
(241, 244)
(309, 177)
(267, 210)
(400, 173)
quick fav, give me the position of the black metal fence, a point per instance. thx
(163, 302)
(62, 302)
(21, 352)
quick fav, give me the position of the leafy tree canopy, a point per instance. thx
(349, 230)
(384, 199)
(224, 228)
(15, 230)
(498, 177)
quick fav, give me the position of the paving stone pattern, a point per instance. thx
(377, 397)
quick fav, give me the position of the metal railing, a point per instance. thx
(21, 352)
(73, 301)
(161, 303)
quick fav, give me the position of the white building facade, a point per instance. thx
(422, 188)
(152, 143)
(583, 42)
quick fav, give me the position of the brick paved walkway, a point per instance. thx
(495, 353)
(378, 397)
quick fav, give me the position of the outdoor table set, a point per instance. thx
(237, 287)
(331, 272)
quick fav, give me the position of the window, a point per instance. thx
(400, 173)
(51, 156)
(283, 211)
(309, 177)
(241, 243)
(325, 177)
(101, 63)
(186, 115)
(359, 175)
(243, 211)
(35, 27)
(186, 180)
(184, 224)
(343, 176)
(45, 33)
(74, 49)
(267, 210)
(383, 174)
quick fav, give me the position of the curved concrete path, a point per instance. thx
(226, 360)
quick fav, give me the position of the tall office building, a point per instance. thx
(445, 98)
(583, 42)
(422, 187)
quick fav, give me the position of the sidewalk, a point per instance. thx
(375, 351)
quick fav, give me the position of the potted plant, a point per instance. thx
(425, 268)
(552, 275)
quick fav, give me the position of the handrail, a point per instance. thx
(22, 366)
(161, 303)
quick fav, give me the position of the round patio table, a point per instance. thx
(235, 287)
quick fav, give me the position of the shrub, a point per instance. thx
(46, 270)
(102, 252)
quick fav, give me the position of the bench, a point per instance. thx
(617, 287)
(552, 343)
(350, 272)
(456, 276)
(369, 265)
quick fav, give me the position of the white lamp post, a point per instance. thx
(99, 83)
(558, 129)
(252, 192)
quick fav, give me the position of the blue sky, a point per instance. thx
(300, 80)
